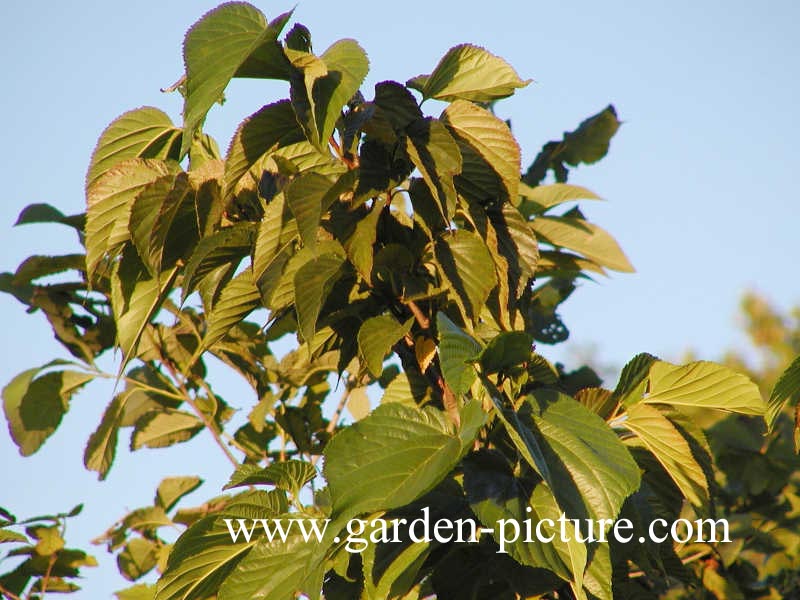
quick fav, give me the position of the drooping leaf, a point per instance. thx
(376, 336)
(238, 298)
(508, 349)
(305, 196)
(319, 96)
(35, 267)
(312, 283)
(152, 215)
(590, 468)
(102, 445)
(584, 237)
(109, 200)
(471, 73)
(457, 351)
(467, 265)
(145, 132)
(481, 134)
(290, 475)
(704, 385)
(659, 436)
(217, 48)
(137, 558)
(436, 155)
(34, 406)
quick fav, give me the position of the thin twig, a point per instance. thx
(46, 578)
(420, 316)
(174, 86)
(336, 415)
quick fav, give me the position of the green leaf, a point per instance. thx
(436, 155)
(358, 404)
(37, 266)
(136, 296)
(508, 349)
(145, 132)
(109, 200)
(137, 558)
(376, 336)
(468, 267)
(152, 215)
(457, 351)
(584, 237)
(471, 73)
(141, 591)
(318, 97)
(484, 137)
(587, 144)
(34, 406)
(305, 196)
(544, 197)
(217, 48)
(200, 561)
(172, 489)
(225, 248)
(293, 566)
(102, 445)
(590, 468)
(360, 245)
(162, 429)
(391, 457)
(290, 475)
(671, 449)
(262, 133)
(704, 385)
(787, 388)
(8, 536)
(238, 298)
(633, 379)
(312, 283)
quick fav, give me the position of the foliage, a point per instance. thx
(403, 252)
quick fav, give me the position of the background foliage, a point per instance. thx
(360, 262)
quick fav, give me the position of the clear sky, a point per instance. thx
(700, 181)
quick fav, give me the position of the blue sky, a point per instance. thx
(700, 181)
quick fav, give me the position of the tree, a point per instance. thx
(410, 258)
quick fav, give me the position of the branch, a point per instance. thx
(8, 594)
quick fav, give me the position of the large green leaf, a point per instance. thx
(304, 197)
(480, 133)
(165, 428)
(376, 336)
(470, 73)
(787, 388)
(435, 153)
(109, 200)
(217, 48)
(201, 560)
(273, 126)
(467, 265)
(590, 468)
(457, 352)
(704, 385)
(657, 433)
(323, 86)
(145, 132)
(290, 567)
(312, 283)
(393, 456)
(34, 406)
(238, 298)
(584, 237)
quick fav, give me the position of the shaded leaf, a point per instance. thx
(376, 336)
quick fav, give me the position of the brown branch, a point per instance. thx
(421, 317)
(46, 578)
(337, 414)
